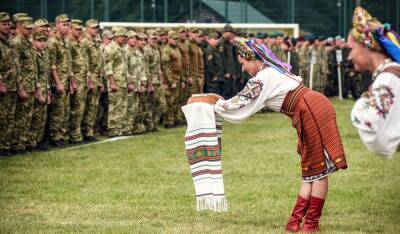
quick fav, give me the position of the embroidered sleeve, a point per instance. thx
(374, 105)
(249, 94)
(245, 103)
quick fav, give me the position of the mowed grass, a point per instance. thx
(143, 184)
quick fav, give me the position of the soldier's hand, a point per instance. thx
(183, 85)
(90, 85)
(227, 75)
(74, 85)
(40, 98)
(3, 88)
(114, 88)
(131, 87)
(142, 89)
(190, 81)
(150, 89)
(23, 96)
(59, 88)
(102, 89)
(215, 78)
(173, 86)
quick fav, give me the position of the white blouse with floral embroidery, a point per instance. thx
(377, 113)
(268, 88)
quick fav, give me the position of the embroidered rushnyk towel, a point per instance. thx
(203, 150)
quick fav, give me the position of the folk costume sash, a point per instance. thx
(203, 150)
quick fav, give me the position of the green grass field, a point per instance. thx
(143, 184)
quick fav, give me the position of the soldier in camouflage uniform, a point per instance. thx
(8, 84)
(26, 81)
(200, 69)
(172, 65)
(194, 51)
(80, 70)
(94, 80)
(102, 113)
(42, 96)
(153, 58)
(187, 81)
(117, 74)
(320, 67)
(62, 83)
(134, 71)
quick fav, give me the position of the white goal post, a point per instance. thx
(286, 29)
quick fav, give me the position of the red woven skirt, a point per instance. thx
(319, 142)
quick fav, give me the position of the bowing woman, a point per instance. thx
(376, 48)
(312, 115)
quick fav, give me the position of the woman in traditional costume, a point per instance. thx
(312, 115)
(376, 114)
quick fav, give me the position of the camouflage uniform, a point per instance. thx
(194, 51)
(134, 71)
(184, 93)
(95, 69)
(37, 129)
(78, 98)
(26, 80)
(158, 103)
(320, 70)
(172, 60)
(58, 113)
(116, 66)
(8, 76)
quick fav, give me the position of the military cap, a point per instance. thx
(279, 34)
(76, 21)
(153, 35)
(18, 15)
(251, 35)
(228, 28)
(114, 29)
(273, 35)
(41, 22)
(181, 29)
(132, 33)
(142, 35)
(139, 29)
(62, 18)
(4, 16)
(92, 23)
(121, 32)
(28, 24)
(201, 33)
(23, 19)
(329, 39)
(321, 37)
(215, 35)
(310, 38)
(77, 26)
(107, 34)
(194, 30)
(39, 36)
(172, 34)
(262, 35)
(338, 37)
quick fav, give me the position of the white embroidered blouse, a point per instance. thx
(268, 88)
(376, 114)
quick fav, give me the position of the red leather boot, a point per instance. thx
(299, 210)
(311, 223)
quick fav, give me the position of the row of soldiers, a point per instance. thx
(319, 61)
(67, 81)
